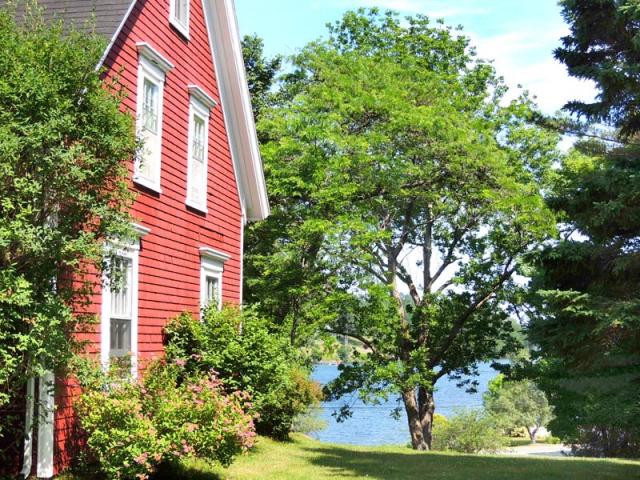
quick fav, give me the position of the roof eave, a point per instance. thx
(234, 94)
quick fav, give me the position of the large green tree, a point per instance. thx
(413, 195)
(64, 144)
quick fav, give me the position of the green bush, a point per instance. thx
(133, 427)
(517, 404)
(309, 421)
(552, 440)
(469, 431)
(247, 356)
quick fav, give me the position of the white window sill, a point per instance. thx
(195, 206)
(145, 182)
(182, 30)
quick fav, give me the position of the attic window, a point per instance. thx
(179, 16)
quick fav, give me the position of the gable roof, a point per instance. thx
(109, 17)
(105, 15)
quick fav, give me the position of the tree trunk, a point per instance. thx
(532, 431)
(420, 409)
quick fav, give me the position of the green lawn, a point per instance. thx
(308, 459)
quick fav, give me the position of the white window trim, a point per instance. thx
(203, 97)
(154, 56)
(197, 108)
(211, 265)
(130, 251)
(183, 29)
(154, 66)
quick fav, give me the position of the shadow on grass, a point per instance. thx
(347, 463)
(194, 470)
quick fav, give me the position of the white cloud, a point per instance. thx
(546, 78)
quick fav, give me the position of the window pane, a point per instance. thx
(197, 165)
(197, 148)
(120, 337)
(150, 106)
(121, 307)
(212, 291)
(121, 288)
(148, 160)
(180, 11)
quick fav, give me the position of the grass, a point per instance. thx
(306, 459)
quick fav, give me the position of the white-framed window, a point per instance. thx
(179, 16)
(119, 314)
(152, 68)
(211, 270)
(121, 308)
(198, 147)
(197, 153)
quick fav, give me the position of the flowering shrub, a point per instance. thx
(197, 417)
(251, 358)
(133, 427)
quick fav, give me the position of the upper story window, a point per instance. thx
(179, 16)
(197, 151)
(152, 68)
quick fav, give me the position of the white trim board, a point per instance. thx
(115, 35)
(46, 420)
(226, 48)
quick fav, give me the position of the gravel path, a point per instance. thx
(538, 449)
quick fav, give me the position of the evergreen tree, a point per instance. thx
(586, 321)
(604, 46)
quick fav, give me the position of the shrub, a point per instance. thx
(120, 436)
(309, 421)
(247, 356)
(552, 440)
(518, 404)
(65, 148)
(133, 427)
(469, 431)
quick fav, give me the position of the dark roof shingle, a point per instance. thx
(105, 14)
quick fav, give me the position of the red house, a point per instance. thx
(198, 180)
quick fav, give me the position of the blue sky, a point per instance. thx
(518, 35)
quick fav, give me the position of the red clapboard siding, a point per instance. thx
(169, 261)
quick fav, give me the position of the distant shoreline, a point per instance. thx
(328, 362)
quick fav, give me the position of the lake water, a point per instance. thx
(373, 424)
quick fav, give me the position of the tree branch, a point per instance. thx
(448, 258)
(477, 304)
(355, 336)
(427, 251)
(406, 278)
